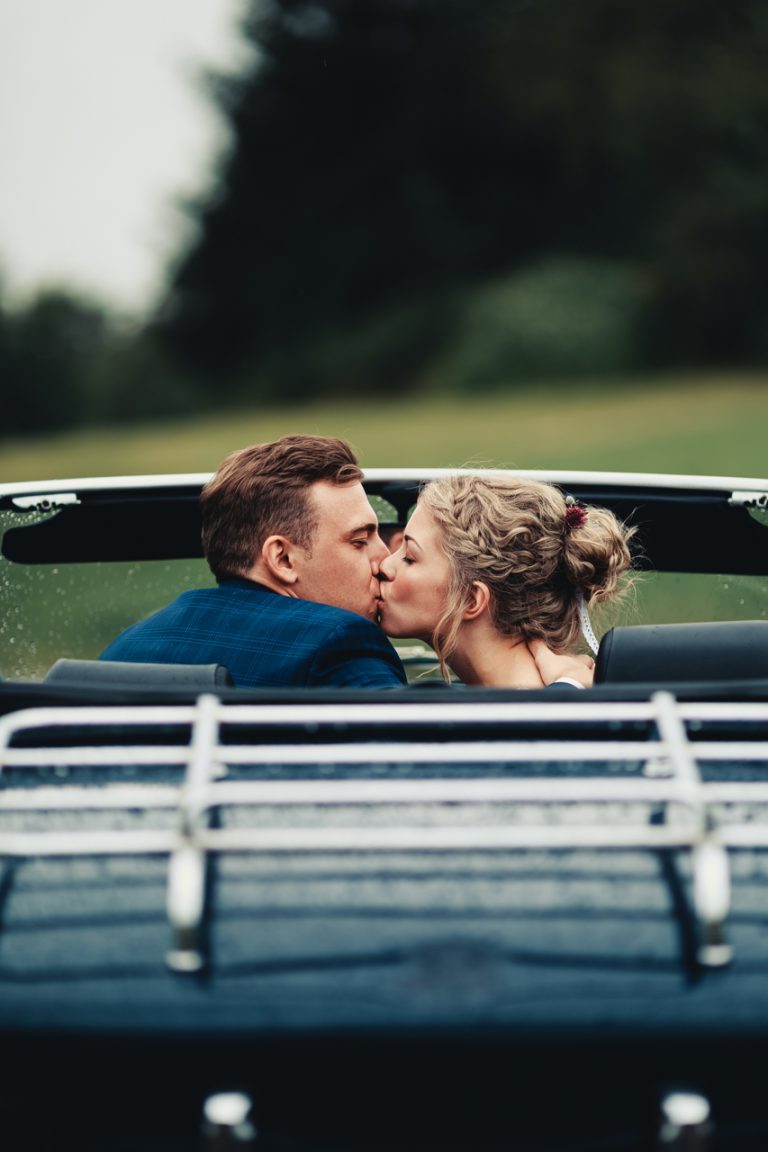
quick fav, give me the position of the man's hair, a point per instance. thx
(263, 491)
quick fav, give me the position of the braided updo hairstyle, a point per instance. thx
(513, 535)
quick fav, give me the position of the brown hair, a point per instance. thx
(263, 490)
(513, 535)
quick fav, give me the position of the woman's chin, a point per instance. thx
(391, 628)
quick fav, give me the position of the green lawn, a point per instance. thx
(714, 424)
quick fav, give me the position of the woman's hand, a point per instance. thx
(553, 667)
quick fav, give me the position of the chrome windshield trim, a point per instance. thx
(195, 480)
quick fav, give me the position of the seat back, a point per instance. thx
(723, 650)
(121, 674)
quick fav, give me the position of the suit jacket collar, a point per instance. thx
(244, 582)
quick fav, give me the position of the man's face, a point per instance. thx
(340, 568)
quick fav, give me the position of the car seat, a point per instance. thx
(723, 650)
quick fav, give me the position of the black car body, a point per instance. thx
(431, 917)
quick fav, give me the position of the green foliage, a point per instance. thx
(66, 362)
(50, 357)
(557, 319)
(139, 382)
(388, 352)
(710, 283)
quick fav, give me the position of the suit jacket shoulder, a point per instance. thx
(264, 639)
(356, 654)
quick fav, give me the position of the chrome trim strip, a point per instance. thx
(739, 485)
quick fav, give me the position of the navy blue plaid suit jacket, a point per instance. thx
(264, 639)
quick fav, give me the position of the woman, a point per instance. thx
(493, 570)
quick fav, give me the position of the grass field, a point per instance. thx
(716, 424)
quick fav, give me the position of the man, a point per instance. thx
(293, 542)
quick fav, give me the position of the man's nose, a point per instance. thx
(377, 551)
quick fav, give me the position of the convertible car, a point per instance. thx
(428, 918)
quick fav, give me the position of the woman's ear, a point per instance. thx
(278, 555)
(478, 601)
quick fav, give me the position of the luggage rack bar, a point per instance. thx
(660, 772)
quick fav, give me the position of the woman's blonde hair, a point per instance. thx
(513, 535)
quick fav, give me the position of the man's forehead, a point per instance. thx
(346, 506)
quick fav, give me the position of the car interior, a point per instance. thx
(89, 548)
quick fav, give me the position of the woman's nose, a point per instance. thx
(387, 568)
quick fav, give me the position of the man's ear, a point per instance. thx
(278, 555)
(478, 601)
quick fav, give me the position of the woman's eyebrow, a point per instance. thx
(411, 540)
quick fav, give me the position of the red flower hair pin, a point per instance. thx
(575, 515)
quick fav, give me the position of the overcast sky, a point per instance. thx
(103, 127)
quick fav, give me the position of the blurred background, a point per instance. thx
(520, 232)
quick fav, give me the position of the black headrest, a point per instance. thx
(119, 674)
(723, 650)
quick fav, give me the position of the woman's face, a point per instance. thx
(415, 588)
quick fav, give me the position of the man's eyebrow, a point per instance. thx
(367, 529)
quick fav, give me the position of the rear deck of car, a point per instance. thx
(428, 918)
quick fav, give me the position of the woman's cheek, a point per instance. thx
(407, 592)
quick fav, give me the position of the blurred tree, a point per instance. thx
(340, 192)
(65, 362)
(385, 150)
(49, 354)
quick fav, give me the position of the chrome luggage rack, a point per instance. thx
(56, 762)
